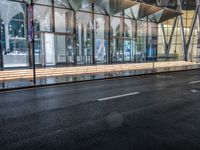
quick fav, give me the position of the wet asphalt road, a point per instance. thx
(151, 112)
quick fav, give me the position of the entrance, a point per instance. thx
(64, 49)
(54, 49)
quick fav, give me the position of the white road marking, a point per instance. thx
(194, 82)
(118, 96)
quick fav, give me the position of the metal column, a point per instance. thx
(109, 40)
(32, 42)
(171, 36)
(93, 36)
(1, 51)
(75, 40)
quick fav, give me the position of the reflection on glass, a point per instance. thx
(141, 41)
(42, 18)
(117, 54)
(64, 21)
(101, 38)
(13, 34)
(84, 43)
(64, 48)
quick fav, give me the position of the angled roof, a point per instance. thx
(78, 4)
(164, 15)
(112, 7)
(142, 10)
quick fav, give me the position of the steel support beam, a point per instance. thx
(32, 44)
(164, 37)
(183, 38)
(93, 37)
(109, 40)
(192, 28)
(171, 36)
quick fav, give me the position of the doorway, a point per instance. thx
(64, 49)
(54, 49)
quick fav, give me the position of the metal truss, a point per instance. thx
(186, 43)
(168, 43)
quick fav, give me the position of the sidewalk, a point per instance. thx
(9, 75)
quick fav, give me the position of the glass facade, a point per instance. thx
(66, 34)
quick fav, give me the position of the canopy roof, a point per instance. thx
(142, 10)
(112, 7)
(163, 15)
(133, 9)
(78, 4)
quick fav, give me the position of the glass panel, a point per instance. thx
(152, 45)
(14, 51)
(38, 49)
(129, 42)
(43, 18)
(128, 50)
(194, 51)
(176, 49)
(117, 54)
(48, 40)
(84, 42)
(64, 49)
(161, 55)
(14, 36)
(101, 38)
(70, 50)
(117, 45)
(44, 49)
(141, 41)
(60, 48)
(64, 20)
(117, 26)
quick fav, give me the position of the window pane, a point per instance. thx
(84, 43)
(42, 18)
(14, 36)
(64, 20)
(101, 38)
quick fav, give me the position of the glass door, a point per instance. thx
(60, 49)
(64, 49)
(44, 49)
